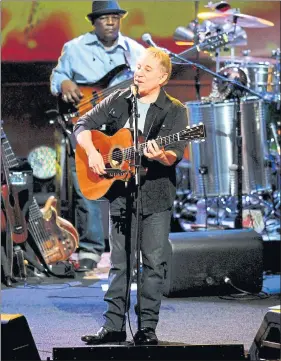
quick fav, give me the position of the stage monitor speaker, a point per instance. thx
(16, 339)
(266, 345)
(199, 262)
(159, 352)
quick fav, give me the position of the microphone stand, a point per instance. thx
(196, 40)
(137, 164)
(240, 89)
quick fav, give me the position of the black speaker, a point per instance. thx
(16, 339)
(266, 344)
(202, 262)
(159, 352)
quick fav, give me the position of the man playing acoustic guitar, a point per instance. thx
(86, 60)
(159, 115)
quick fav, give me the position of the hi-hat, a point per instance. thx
(246, 21)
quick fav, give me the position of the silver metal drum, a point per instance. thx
(261, 75)
(219, 152)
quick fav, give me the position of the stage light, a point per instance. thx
(42, 160)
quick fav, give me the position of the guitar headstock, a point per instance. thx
(194, 133)
(214, 42)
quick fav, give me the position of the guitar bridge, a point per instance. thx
(113, 172)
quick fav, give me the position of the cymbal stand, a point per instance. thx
(196, 41)
(217, 60)
(232, 50)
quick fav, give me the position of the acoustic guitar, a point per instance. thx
(118, 153)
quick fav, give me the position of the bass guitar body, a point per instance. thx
(94, 93)
(61, 238)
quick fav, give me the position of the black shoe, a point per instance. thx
(86, 264)
(104, 336)
(146, 336)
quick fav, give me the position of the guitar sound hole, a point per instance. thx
(116, 157)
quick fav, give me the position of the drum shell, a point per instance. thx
(219, 151)
(262, 77)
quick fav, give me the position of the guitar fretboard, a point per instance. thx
(183, 135)
(34, 211)
(97, 96)
(9, 156)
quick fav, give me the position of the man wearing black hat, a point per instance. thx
(85, 60)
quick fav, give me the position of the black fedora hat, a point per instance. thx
(100, 8)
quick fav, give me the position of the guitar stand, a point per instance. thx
(7, 277)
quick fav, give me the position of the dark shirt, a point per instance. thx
(165, 117)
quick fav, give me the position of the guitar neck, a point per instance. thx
(161, 141)
(8, 154)
(36, 225)
(34, 211)
(8, 157)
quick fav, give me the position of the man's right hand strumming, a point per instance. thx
(96, 162)
(70, 92)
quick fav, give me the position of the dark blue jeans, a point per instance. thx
(88, 219)
(154, 233)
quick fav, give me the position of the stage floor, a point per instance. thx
(60, 311)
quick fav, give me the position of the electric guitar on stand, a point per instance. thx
(16, 191)
(55, 238)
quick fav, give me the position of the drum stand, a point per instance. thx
(239, 218)
(202, 204)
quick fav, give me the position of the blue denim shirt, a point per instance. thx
(85, 60)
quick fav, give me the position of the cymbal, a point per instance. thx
(246, 59)
(246, 21)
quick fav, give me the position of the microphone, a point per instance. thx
(135, 89)
(148, 40)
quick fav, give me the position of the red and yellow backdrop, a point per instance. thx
(36, 30)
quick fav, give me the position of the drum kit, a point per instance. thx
(207, 191)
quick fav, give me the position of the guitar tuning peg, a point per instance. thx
(188, 127)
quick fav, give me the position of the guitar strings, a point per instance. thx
(127, 153)
(41, 236)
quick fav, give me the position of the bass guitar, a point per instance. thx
(16, 192)
(118, 153)
(55, 237)
(94, 93)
